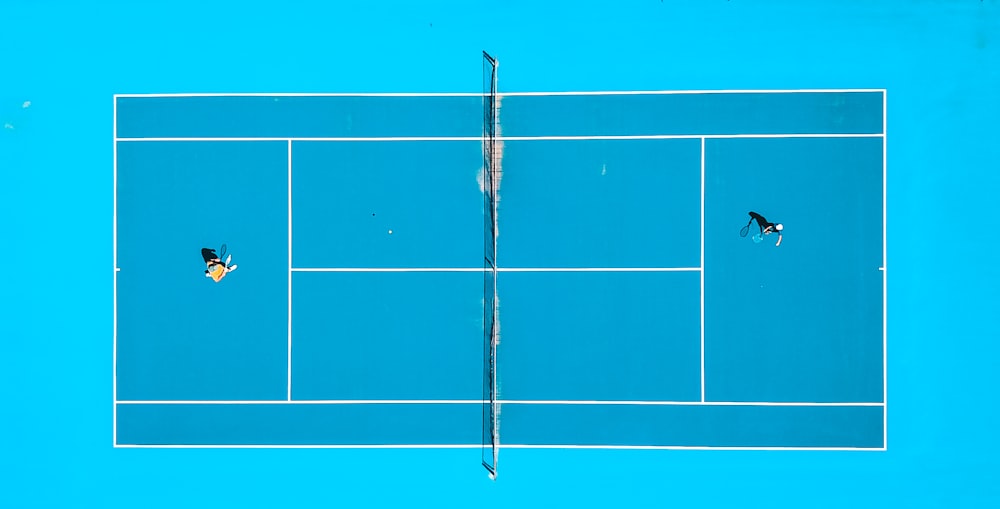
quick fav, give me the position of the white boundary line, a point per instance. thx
(499, 269)
(114, 242)
(318, 446)
(506, 94)
(504, 446)
(388, 269)
(702, 271)
(300, 139)
(698, 92)
(691, 448)
(502, 402)
(599, 269)
(500, 138)
(289, 270)
(302, 94)
(885, 286)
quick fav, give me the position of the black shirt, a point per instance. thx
(761, 222)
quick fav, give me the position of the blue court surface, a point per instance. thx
(539, 266)
(633, 312)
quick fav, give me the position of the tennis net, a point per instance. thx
(491, 428)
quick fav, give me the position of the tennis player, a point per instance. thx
(216, 268)
(766, 228)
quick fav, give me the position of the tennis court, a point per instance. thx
(501, 270)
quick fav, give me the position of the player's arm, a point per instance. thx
(779, 240)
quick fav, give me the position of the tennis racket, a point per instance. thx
(222, 252)
(744, 230)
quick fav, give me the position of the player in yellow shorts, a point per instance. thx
(216, 268)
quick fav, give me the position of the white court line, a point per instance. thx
(885, 287)
(691, 448)
(505, 94)
(697, 92)
(702, 271)
(305, 94)
(501, 446)
(502, 402)
(695, 403)
(289, 270)
(322, 446)
(600, 269)
(503, 138)
(285, 138)
(309, 402)
(499, 269)
(387, 269)
(114, 242)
